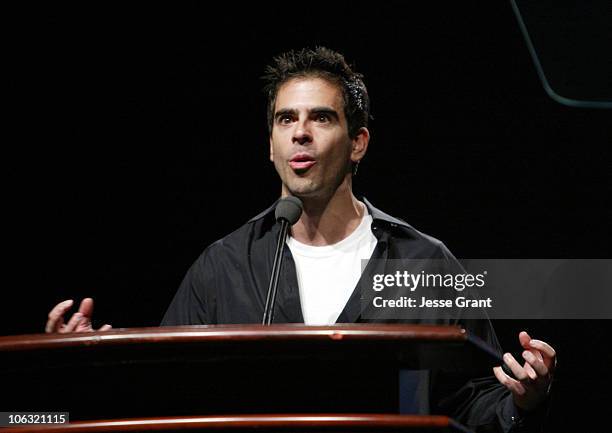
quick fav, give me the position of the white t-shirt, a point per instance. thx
(327, 275)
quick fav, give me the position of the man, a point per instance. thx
(318, 111)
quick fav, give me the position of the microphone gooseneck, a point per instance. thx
(288, 212)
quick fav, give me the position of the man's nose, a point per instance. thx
(302, 134)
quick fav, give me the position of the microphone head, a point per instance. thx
(289, 209)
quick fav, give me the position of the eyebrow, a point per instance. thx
(316, 110)
(285, 111)
(325, 110)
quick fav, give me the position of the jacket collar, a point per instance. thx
(377, 214)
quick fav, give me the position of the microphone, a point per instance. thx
(288, 211)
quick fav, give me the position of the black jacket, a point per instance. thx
(228, 284)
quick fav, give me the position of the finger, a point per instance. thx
(524, 339)
(513, 385)
(519, 372)
(72, 323)
(537, 354)
(56, 316)
(105, 328)
(530, 371)
(86, 307)
(543, 347)
(500, 375)
(84, 325)
(535, 363)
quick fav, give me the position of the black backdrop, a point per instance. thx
(137, 136)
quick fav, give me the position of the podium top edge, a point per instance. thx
(234, 334)
(314, 422)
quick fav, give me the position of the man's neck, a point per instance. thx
(326, 221)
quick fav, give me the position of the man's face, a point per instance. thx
(310, 145)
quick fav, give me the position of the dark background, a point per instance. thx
(136, 136)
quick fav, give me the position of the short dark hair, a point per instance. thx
(322, 63)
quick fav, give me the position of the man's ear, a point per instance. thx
(360, 144)
(271, 150)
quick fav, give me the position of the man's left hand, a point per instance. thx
(533, 379)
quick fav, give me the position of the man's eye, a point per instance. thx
(322, 118)
(284, 120)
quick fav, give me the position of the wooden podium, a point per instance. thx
(281, 377)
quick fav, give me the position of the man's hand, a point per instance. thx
(533, 379)
(79, 322)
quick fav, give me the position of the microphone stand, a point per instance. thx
(268, 316)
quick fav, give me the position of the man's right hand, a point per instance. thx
(79, 322)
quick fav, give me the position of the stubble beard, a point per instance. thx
(307, 187)
(300, 186)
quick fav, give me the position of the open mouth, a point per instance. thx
(301, 162)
